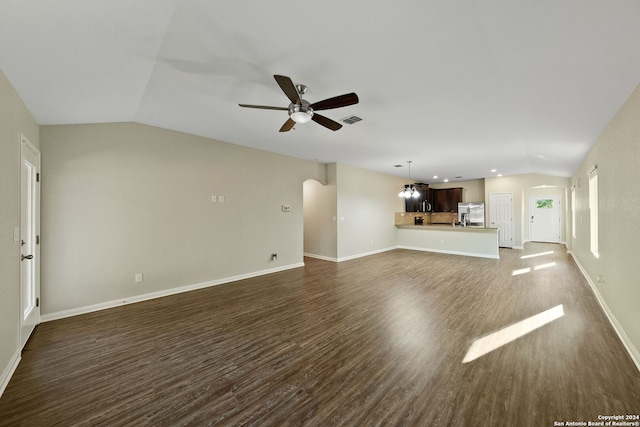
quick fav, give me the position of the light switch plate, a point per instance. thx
(16, 234)
(221, 199)
(214, 199)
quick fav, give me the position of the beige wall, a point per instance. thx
(121, 199)
(472, 190)
(518, 185)
(15, 119)
(367, 202)
(617, 156)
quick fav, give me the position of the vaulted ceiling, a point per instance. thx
(459, 87)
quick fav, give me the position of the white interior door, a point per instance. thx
(544, 218)
(501, 217)
(29, 240)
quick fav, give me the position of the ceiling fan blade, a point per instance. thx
(336, 102)
(287, 126)
(264, 107)
(288, 88)
(326, 122)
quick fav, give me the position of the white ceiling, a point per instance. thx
(459, 87)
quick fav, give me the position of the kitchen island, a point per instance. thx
(470, 241)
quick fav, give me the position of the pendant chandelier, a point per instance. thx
(409, 191)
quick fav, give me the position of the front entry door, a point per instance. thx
(501, 217)
(29, 240)
(544, 219)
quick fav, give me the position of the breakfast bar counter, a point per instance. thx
(469, 241)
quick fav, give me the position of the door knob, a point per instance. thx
(23, 257)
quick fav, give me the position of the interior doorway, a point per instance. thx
(545, 218)
(29, 239)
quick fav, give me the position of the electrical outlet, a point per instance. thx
(274, 256)
(286, 208)
(138, 278)
(214, 199)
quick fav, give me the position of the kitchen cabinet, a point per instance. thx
(442, 203)
(447, 199)
(454, 196)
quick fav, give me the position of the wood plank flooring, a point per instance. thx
(372, 341)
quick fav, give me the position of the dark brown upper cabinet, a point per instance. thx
(447, 199)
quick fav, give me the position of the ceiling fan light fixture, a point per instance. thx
(301, 113)
(301, 117)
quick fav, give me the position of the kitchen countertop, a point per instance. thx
(448, 227)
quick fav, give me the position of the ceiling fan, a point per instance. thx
(301, 111)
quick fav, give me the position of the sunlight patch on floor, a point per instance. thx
(537, 267)
(541, 266)
(535, 255)
(521, 271)
(490, 342)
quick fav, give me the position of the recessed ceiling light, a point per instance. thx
(494, 170)
(499, 174)
(435, 176)
(446, 180)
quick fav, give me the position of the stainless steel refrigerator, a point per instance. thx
(471, 214)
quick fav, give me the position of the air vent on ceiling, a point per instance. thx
(351, 120)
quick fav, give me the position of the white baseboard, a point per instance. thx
(347, 258)
(631, 349)
(364, 254)
(444, 251)
(322, 257)
(8, 371)
(144, 297)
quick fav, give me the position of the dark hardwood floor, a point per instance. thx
(372, 341)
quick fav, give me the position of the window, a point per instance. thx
(593, 210)
(573, 211)
(544, 203)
